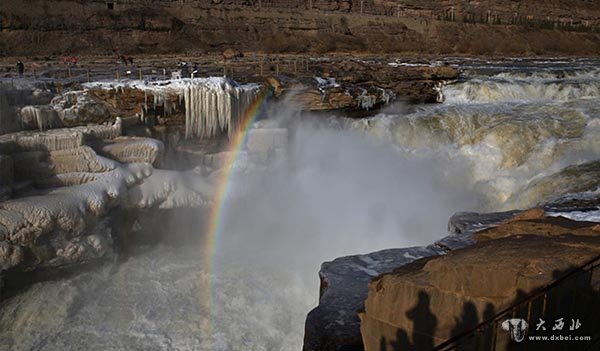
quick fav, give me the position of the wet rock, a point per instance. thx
(463, 225)
(327, 94)
(533, 222)
(418, 83)
(471, 222)
(334, 323)
(425, 303)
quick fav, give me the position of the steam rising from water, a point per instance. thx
(336, 193)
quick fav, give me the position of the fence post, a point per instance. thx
(262, 60)
(141, 76)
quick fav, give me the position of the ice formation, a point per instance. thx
(62, 216)
(366, 101)
(133, 150)
(44, 117)
(167, 189)
(57, 139)
(212, 105)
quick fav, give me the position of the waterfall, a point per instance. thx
(213, 106)
(510, 88)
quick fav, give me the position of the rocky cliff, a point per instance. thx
(64, 27)
(487, 263)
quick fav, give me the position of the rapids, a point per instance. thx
(509, 127)
(499, 140)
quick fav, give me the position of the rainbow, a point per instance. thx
(223, 185)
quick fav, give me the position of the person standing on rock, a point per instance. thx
(20, 68)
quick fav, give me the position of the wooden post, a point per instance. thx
(88, 75)
(224, 71)
(118, 75)
(361, 7)
(141, 76)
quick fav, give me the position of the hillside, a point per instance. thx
(505, 27)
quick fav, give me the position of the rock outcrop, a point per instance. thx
(534, 222)
(334, 324)
(65, 216)
(453, 269)
(63, 225)
(483, 27)
(425, 303)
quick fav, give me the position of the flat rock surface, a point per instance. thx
(436, 298)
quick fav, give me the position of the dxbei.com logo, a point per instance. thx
(517, 328)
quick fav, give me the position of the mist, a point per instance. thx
(337, 192)
(334, 192)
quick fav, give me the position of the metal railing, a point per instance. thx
(485, 335)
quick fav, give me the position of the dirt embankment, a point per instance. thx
(69, 27)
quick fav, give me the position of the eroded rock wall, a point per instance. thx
(62, 26)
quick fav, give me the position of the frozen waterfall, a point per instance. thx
(212, 105)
